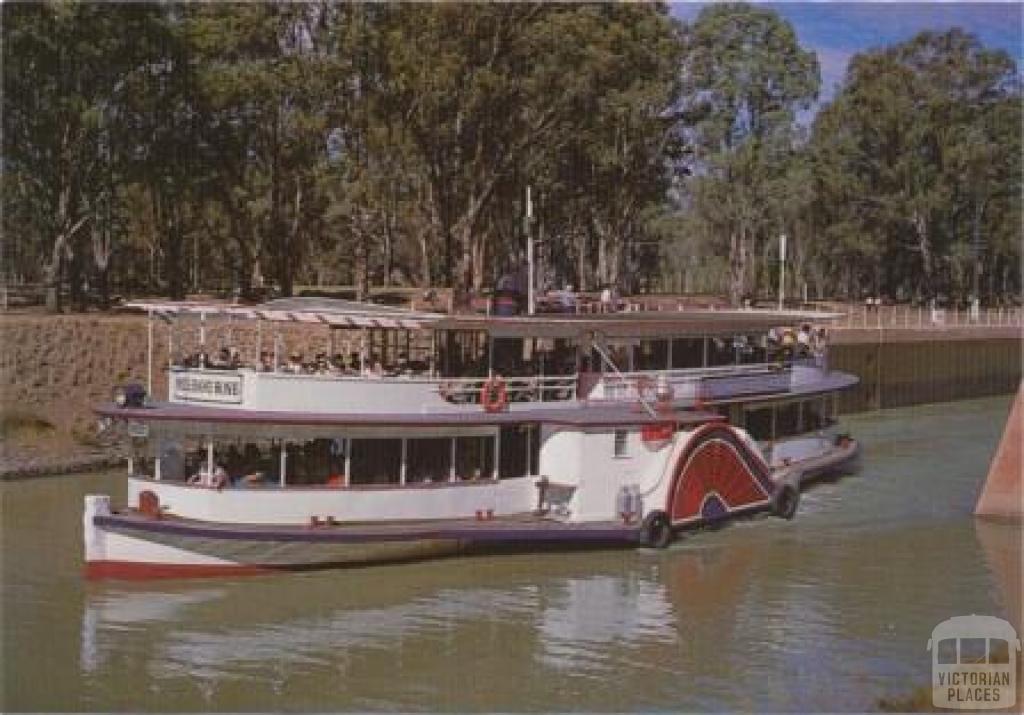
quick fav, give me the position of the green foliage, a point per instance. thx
(917, 163)
(245, 148)
(744, 78)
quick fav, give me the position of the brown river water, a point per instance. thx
(828, 612)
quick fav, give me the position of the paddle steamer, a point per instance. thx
(414, 434)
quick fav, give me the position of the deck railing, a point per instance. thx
(697, 384)
(907, 317)
(547, 388)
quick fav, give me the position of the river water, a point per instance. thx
(828, 612)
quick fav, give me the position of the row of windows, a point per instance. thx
(789, 419)
(361, 461)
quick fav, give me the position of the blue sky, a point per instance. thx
(838, 30)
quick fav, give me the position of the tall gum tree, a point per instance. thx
(913, 158)
(744, 76)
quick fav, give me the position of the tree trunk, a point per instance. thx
(925, 247)
(173, 234)
(737, 266)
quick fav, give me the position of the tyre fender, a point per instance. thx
(786, 499)
(656, 530)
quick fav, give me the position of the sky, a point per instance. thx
(838, 30)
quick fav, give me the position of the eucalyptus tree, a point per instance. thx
(66, 67)
(744, 76)
(263, 80)
(916, 161)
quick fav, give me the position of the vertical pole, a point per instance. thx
(497, 454)
(284, 462)
(403, 470)
(668, 354)
(348, 461)
(704, 352)
(149, 353)
(156, 468)
(782, 271)
(451, 465)
(490, 355)
(259, 343)
(529, 447)
(530, 298)
(362, 353)
(209, 459)
(202, 340)
(170, 345)
(433, 353)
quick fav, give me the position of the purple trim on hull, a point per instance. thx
(469, 532)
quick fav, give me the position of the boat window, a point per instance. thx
(463, 353)
(787, 420)
(518, 445)
(687, 353)
(720, 352)
(313, 462)
(474, 458)
(621, 445)
(759, 424)
(376, 461)
(652, 355)
(815, 415)
(751, 348)
(428, 460)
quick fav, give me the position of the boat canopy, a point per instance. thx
(338, 313)
(327, 311)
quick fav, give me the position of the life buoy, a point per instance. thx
(656, 530)
(494, 395)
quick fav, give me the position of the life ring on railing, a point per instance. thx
(494, 395)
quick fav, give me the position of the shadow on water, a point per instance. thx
(762, 614)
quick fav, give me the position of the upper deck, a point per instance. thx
(436, 366)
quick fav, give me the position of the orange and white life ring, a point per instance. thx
(494, 395)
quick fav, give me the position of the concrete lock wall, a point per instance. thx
(899, 369)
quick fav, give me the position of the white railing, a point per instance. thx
(694, 385)
(547, 388)
(926, 318)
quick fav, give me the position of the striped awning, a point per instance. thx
(322, 311)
